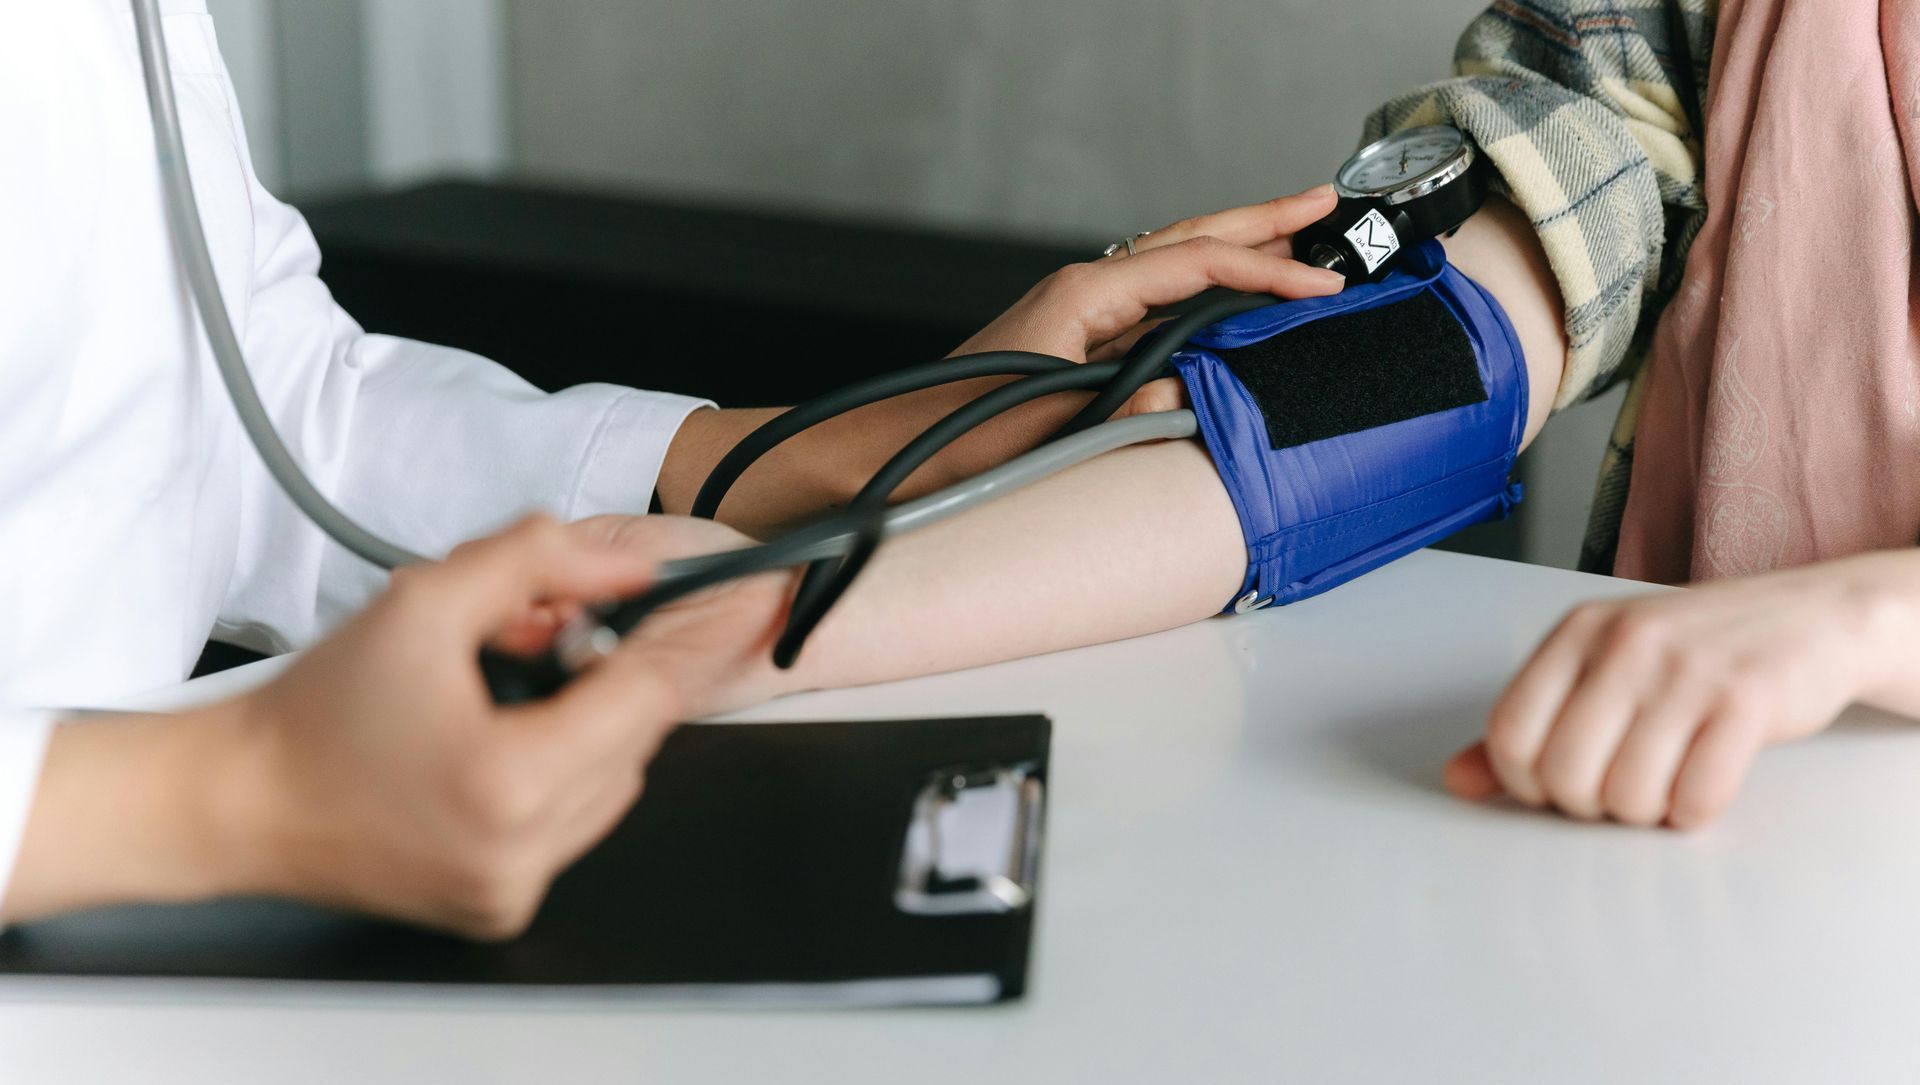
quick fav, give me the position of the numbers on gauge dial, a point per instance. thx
(1400, 161)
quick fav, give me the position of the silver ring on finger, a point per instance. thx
(1126, 243)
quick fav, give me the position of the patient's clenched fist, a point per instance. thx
(1650, 710)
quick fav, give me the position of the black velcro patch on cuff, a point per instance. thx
(1355, 371)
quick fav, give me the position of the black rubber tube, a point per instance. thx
(1149, 363)
(790, 423)
(827, 580)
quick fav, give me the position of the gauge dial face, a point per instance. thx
(1402, 160)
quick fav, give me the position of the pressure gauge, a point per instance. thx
(1397, 194)
(1407, 165)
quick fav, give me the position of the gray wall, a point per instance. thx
(347, 95)
(1064, 118)
(245, 29)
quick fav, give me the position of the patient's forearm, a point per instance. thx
(1140, 540)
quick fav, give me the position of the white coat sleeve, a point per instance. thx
(424, 445)
(23, 745)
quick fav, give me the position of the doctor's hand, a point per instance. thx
(1097, 310)
(1083, 312)
(720, 641)
(1650, 710)
(376, 774)
(393, 785)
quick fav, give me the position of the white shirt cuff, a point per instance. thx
(23, 746)
(623, 464)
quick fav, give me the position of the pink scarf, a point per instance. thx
(1780, 419)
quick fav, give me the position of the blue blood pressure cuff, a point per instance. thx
(1354, 429)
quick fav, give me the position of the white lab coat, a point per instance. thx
(135, 519)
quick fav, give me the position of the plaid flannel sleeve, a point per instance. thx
(1584, 107)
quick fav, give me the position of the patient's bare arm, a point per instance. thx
(1138, 541)
(1499, 249)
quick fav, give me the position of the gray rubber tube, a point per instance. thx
(831, 540)
(190, 244)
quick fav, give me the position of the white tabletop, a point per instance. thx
(1253, 875)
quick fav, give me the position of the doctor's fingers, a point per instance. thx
(487, 586)
(1266, 228)
(1118, 347)
(577, 821)
(524, 790)
(1255, 225)
(612, 715)
(1155, 397)
(1111, 298)
(660, 538)
(533, 630)
(599, 803)
(521, 833)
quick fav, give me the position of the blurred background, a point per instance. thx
(550, 182)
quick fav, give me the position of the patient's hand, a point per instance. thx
(1083, 312)
(1650, 710)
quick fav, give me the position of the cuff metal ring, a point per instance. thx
(1125, 243)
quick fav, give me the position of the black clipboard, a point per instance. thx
(849, 863)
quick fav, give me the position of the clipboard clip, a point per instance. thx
(973, 844)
